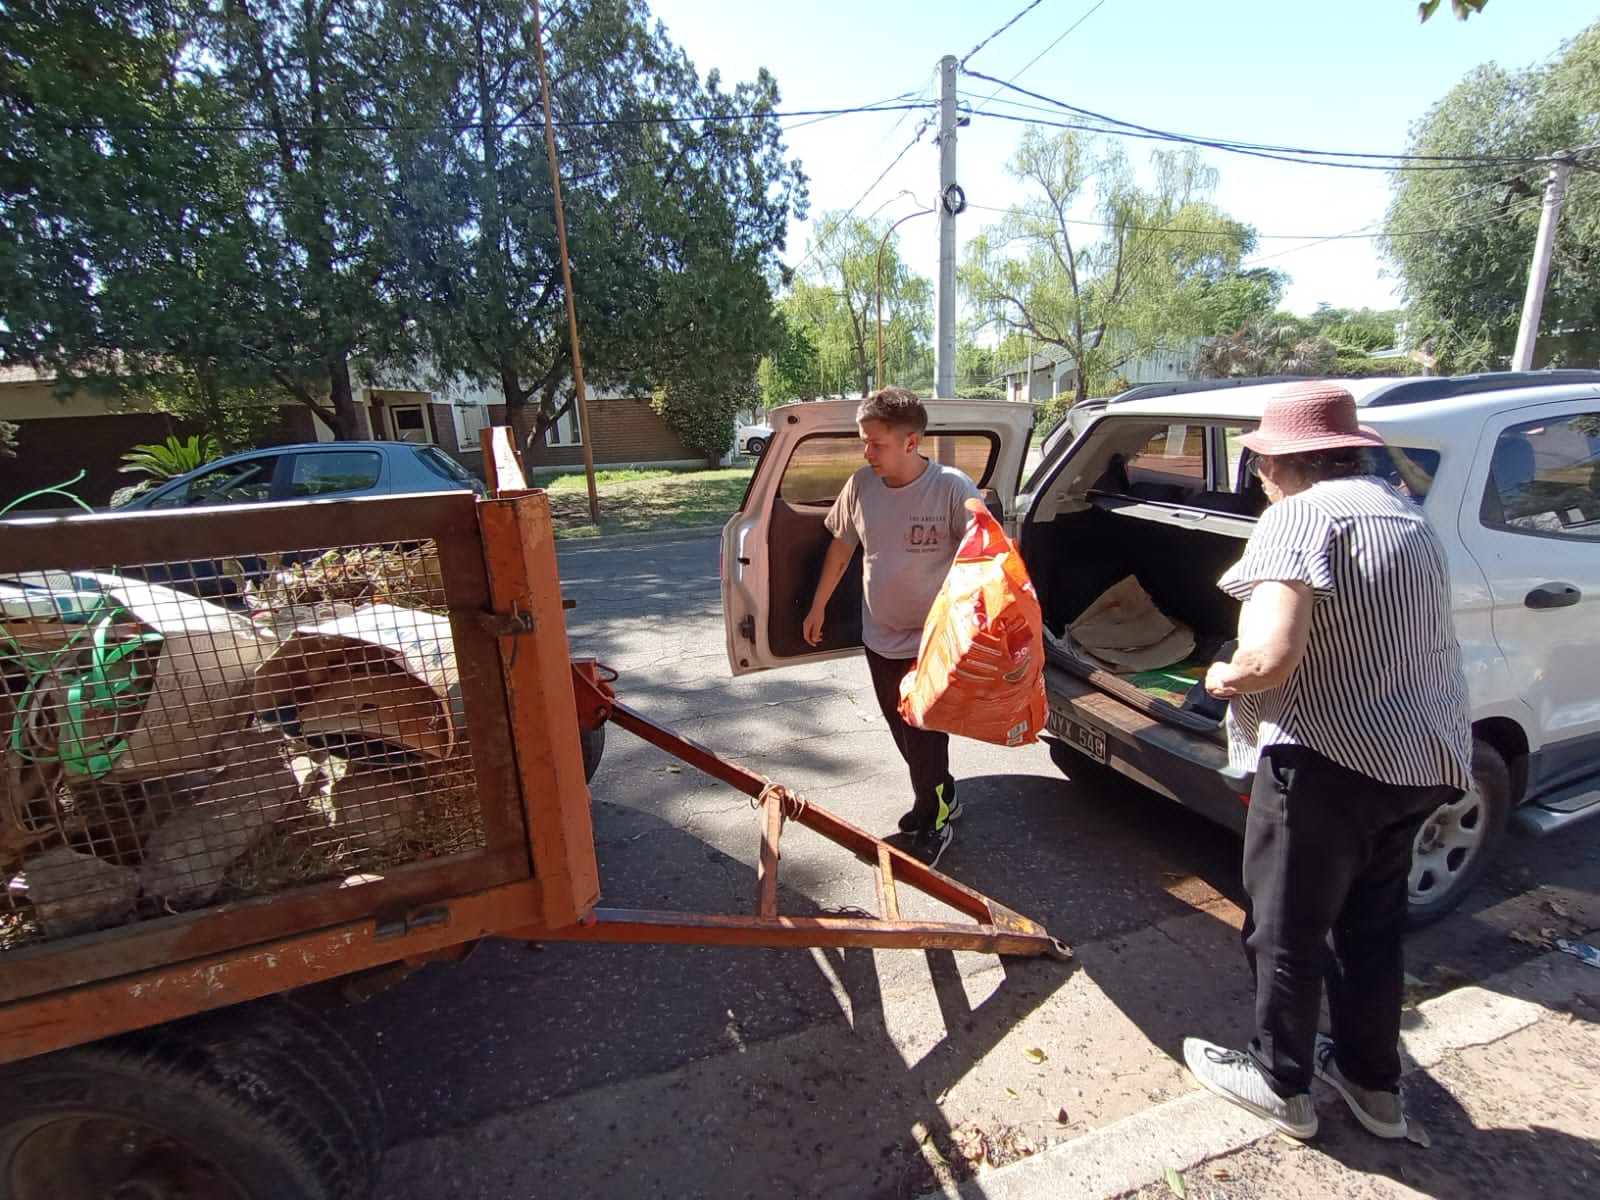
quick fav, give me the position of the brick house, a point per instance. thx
(61, 434)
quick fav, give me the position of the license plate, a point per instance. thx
(1084, 738)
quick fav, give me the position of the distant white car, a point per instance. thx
(753, 439)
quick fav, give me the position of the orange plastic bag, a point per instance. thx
(980, 669)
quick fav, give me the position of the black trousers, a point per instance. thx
(1327, 852)
(927, 753)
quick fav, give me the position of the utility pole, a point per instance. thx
(951, 202)
(1555, 191)
(585, 430)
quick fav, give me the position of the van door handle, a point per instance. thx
(1553, 595)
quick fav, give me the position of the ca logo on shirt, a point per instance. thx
(925, 535)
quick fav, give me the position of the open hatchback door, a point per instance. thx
(772, 549)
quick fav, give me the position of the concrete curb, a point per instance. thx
(1137, 1151)
(652, 536)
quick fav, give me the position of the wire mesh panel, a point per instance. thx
(183, 733)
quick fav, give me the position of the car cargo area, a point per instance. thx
(1074, 557)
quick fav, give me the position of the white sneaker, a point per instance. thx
(1235, 1076)
(1381, 1113)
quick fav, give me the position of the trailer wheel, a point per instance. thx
(593, 742)
(261, 1102)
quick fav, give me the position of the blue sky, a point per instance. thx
(1327, 74)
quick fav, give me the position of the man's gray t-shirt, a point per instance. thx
(910, 535)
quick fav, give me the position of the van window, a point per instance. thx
(1176, 462)
(1544, 478)
(816, 471)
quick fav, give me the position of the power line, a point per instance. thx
(915, 99)
(1029, 64)
(1120, 128)
(1014, 19)
(1308, 238)
(893, 163)
(469, 126)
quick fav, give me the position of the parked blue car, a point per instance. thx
(311, 470)
(302, 471)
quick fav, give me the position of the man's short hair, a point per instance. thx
(895, 407)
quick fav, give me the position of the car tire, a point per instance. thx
(1458, 841)
(755, 446)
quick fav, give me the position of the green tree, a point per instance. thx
(1462, 8)
(1235, 300)
(1463, 240)
(794, 370)
(1356, 329)
(675, 212)
(320, 88)
(119, 177)
(1136, 285)
(835, 300)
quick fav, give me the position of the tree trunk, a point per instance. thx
(348, 425)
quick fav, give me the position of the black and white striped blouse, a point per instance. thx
(1381, 688)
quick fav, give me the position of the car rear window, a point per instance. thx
(442, 465)
(816, 471)
(329, 471)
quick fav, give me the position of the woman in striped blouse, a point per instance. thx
(1347, 698)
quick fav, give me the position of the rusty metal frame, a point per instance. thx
(997, 929)
(38, 973)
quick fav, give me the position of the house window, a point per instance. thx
(408, 423)
(565, 431)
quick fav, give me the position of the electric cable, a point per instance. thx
(1116, 127)
(1014, 19)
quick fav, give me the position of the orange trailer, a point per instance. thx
(249, 751)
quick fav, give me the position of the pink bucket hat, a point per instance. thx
(1315, 415)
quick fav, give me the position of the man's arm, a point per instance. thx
(1274, 626)
(834, 564)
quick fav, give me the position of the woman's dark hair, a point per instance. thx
(1342, 462)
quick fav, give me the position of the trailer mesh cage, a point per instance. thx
(198, 731)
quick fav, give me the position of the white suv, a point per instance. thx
(1507, 468)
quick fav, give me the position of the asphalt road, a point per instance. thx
(680, 1071)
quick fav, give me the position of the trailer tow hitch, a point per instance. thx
(993, 927)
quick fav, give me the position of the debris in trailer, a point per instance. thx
(161, 752)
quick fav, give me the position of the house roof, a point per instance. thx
(1034, 362)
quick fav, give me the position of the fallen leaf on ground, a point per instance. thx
(1033, 1054)
(1221, 1174)
(1558, 909)
(1175, 1182)
(1535, 940)
(1061, 1115)
(1012, 1092)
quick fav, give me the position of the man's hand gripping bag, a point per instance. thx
(980, 669)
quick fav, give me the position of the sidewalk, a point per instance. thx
(1505, 1078)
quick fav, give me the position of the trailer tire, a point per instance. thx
(261, 1102)
(593, 742)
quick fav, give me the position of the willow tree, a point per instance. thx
(1098, 267)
